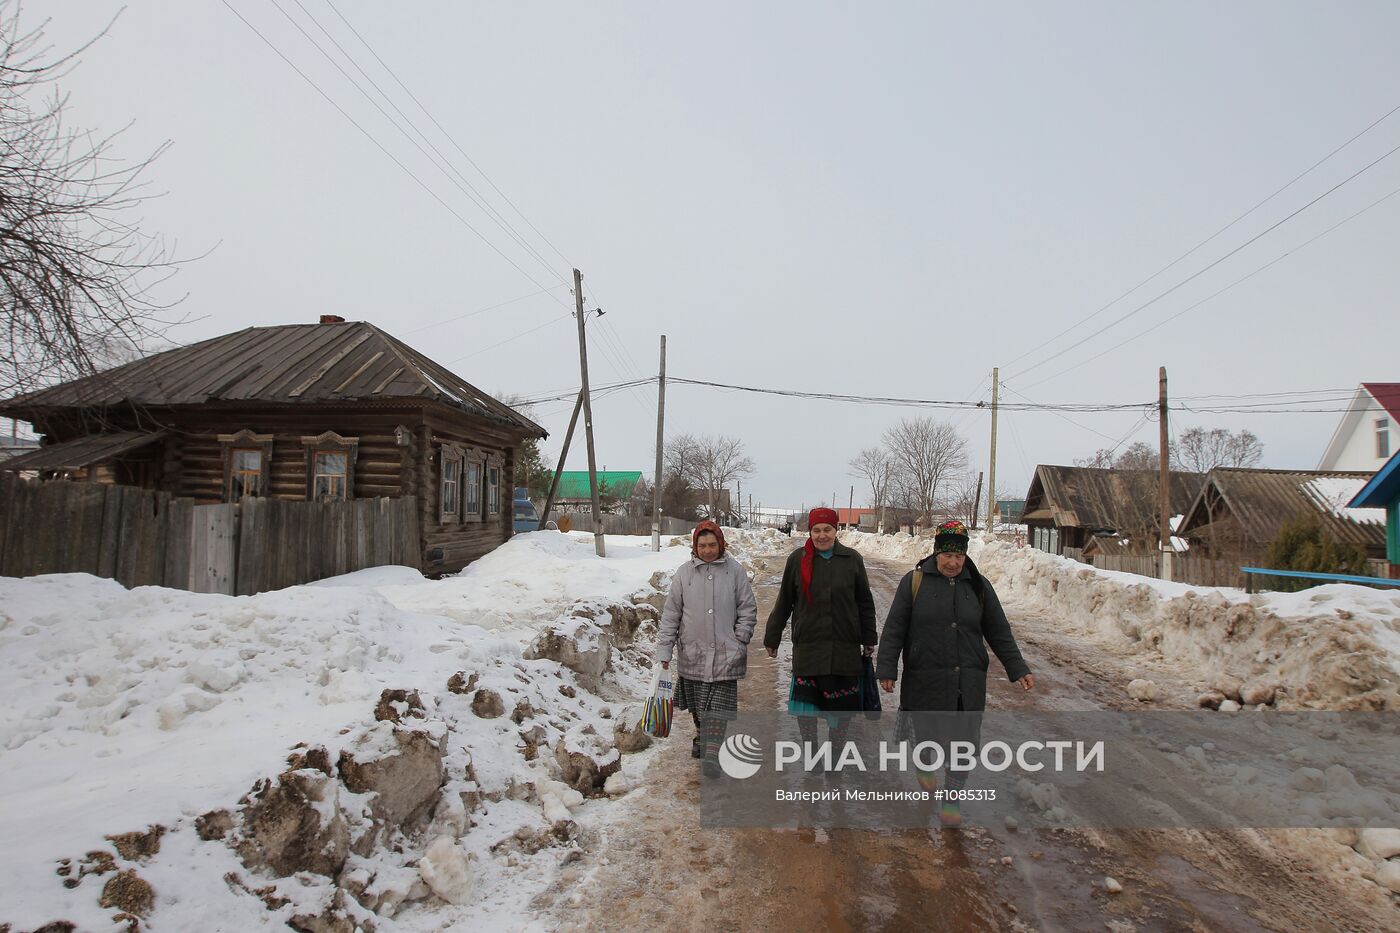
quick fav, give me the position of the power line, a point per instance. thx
(502, 343)
(469, 189)
(470, 314)
(1212, 296)
(1217, 233)
(1212, 265)
(444, 132)
(380, 146)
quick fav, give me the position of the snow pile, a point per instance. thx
(1332, 647)
(128, 709)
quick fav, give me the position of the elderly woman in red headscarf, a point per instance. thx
(710, 615)
(827, 594)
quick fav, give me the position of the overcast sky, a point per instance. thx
(869, 199)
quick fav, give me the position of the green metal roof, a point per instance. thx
(573, 484)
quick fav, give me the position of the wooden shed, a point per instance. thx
(335, 410)
(1238, 512)
(1067, 506)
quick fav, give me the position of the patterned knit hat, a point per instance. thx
(950, 538)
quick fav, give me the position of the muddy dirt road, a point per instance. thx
(654, 866)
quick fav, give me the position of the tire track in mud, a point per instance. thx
(653, 864)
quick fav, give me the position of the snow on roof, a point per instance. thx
(1334, 492)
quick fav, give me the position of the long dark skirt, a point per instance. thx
(711, 705)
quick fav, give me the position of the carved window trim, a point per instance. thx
(246, 441)
(450, 458)
(330, 442)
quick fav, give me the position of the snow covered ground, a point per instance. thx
(1331, 647)
(124, 709)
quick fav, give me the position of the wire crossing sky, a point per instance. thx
(839, 216)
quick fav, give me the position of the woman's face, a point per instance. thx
(707, 547)
(950, 565)
(823, 536)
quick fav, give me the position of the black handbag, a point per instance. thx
(869, 687)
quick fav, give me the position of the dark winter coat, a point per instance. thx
(828, 631)
(941, 640)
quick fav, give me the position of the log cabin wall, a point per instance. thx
(190, 460)
(449, 545)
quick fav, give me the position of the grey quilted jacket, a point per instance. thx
(708, 620)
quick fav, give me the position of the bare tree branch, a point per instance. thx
(76, 274)
(925, 453)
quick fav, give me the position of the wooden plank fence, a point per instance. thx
(143, 538)
(1186, 568)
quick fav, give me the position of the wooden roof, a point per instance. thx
(286, 364)
(1262, 500)
(81, 452)
(1102, 500)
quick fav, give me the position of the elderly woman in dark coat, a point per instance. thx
(827, 594)
(940, 634)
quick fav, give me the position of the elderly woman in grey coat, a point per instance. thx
(708, 620)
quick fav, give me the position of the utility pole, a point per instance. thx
(739, 500)
(851, 506)
(563, 455)
(588, 416)
(992, 467)
(1164, 491)
(977, 503)
(660, 440)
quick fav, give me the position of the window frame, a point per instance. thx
(492, 495)
(330, 442)
(1383, 450)
(246, 441)
(450, 459)
(472, 499)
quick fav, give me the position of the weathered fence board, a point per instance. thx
(139, 537)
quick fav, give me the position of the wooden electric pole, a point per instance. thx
(563, 455)
(977, 504)
(660, 441)
(588, 416)
(1164, 491)
(992, 467)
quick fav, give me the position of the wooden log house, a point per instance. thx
(298, 412)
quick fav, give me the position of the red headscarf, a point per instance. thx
(703, 527)
(819, 516)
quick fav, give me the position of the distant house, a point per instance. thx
(335, 410)
(576, 495)
(1067, 506)
(1238, 512)
(857, 518)
(1010, 511)
(1383, 491)
(1366, 436)
(774, 518)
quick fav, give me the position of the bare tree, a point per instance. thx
(76, 274)
(924, 454)
(960, 500)
(1200, 451)
(1101, 460)
(873, 465)
(708, 464)
(1139, 456)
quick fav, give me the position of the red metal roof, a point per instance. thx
(1387, 394)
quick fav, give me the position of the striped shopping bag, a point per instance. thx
(656, 715)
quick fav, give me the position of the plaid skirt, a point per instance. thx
(720, 696)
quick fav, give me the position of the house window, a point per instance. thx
(451, 484)
(247, 462)
(330, 477)
(471, 491)
(245, 473)
(330, 466)
(1383, 438)
(493, 490)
